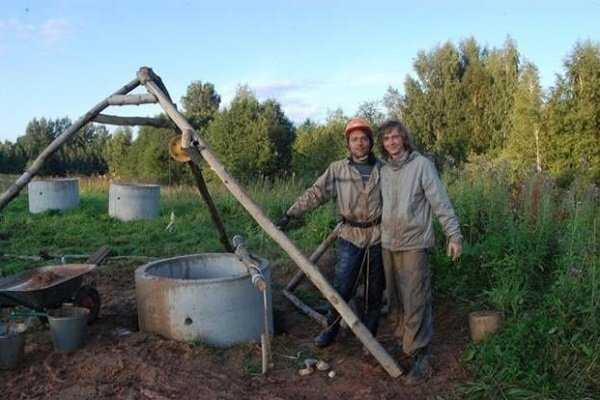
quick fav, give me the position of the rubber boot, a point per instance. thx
(327, 335)
(420, 369)
(372, 324)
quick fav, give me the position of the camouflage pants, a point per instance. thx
(409, 289)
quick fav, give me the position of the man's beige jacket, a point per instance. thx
(355, 201)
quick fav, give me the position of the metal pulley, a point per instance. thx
(176, 151)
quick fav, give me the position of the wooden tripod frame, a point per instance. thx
(198, 150)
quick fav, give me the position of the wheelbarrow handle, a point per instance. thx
(19, 301)
(19, 315)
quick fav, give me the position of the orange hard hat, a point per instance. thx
(358, 124)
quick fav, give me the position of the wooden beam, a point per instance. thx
(132, 99)
(18, 185)
(315, 256)
(198, 149)
(214, 213)
(132, 121)
(320, 318)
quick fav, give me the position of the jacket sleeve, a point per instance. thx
(320, 192)
(436, 194)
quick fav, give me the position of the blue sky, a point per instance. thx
(59, 58)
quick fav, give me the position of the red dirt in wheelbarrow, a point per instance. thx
(119, 362)
(49, 276)
(43, 279)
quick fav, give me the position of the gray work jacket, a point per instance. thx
(412, 192)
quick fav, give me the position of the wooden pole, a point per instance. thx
(302, 306)
(131, 100)
(299, 276)
(214, 213)
(198, 149)
(132, 121)
(315, 256)
(18, 185)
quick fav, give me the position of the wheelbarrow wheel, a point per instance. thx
(89, 298)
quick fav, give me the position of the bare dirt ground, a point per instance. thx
(119, 362)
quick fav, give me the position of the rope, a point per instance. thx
(171, 225)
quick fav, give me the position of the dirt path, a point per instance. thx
(119, 362)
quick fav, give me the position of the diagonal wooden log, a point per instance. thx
(18, 185)
(198, 149)
(132, 121)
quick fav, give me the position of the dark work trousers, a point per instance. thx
(352, 261)
(411, 289)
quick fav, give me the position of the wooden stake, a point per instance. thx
(18, 185)
(198, 149)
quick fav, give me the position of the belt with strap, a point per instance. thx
(356, 224)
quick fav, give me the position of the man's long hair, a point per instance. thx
(405, 134)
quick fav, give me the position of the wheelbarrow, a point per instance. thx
(45, 288)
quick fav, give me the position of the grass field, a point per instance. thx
(532, 251)
(88, 227)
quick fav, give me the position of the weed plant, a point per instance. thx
(532, 252)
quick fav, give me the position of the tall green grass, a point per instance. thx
(531, 251)
(88, 227)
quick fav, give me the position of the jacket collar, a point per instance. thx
(398, 164)
(371, 160)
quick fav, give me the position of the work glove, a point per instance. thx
(283, 222)
(454, 249)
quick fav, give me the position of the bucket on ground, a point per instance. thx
(132, 201)
(68, 327)
(206, 297)
(483, 324)
(12, 346)
(53, 194)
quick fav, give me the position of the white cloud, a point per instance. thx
(54, 30)
(279, 89)
(296, 98)
(299, 110)
(49, 32)
(14, 27)
(313, 99)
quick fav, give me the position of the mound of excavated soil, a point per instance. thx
(119, 362)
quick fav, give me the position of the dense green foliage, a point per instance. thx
(462, 102)
(317, 145)
(253, 139)
(533, 252)
(83, 154)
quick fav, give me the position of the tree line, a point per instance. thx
(464, 101)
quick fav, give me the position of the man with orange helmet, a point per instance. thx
(354, 183)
